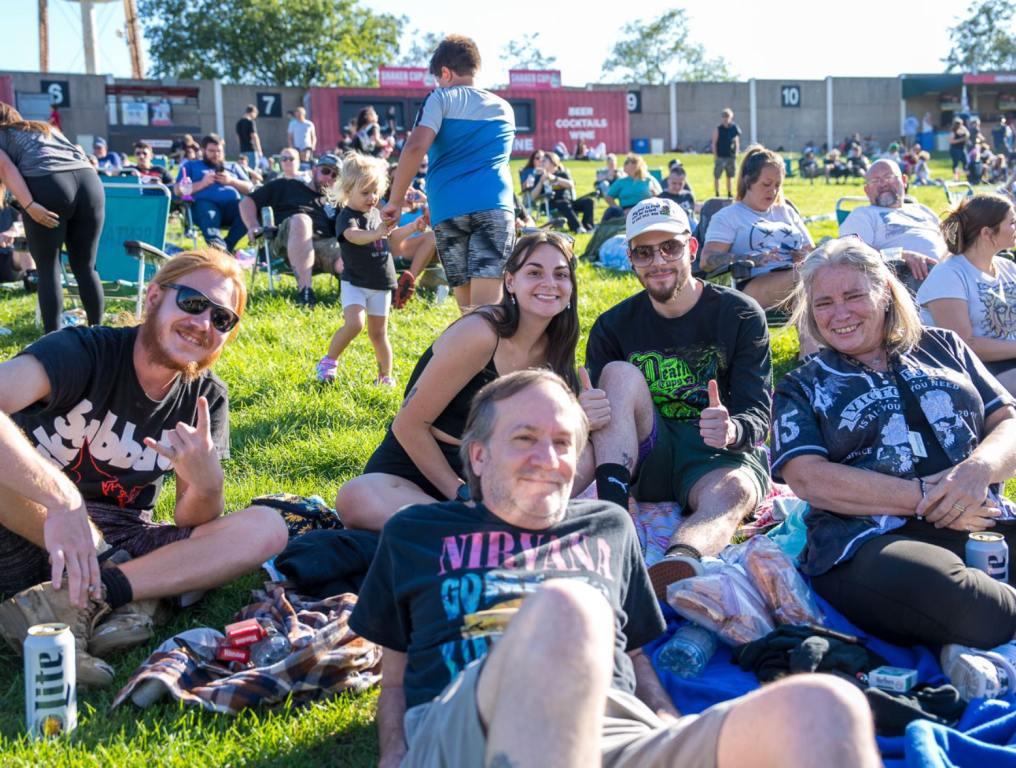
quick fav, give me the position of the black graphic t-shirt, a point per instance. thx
(723, 337)
(365, 266)
(94, 424)
(832, 406)
(287, 197)
(448, 577)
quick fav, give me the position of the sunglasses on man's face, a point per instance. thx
(327, 171)
(287, 159)
(670, 250)
(193, 302)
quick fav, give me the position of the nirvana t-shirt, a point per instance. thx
(834, 407)
(447, 578)
(912, 226)
(287, 197)
(723, 337)
(94, 424)
(991, 301)
(365, 266)
(750, 232)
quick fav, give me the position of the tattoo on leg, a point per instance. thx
(501, 760)
(628, 460)
(409, 396)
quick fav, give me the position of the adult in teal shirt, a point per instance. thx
(637, 185)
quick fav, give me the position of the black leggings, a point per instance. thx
(78, 198)
(567, 208)
(911, 586)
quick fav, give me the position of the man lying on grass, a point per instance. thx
(562, 589)
(116, 409)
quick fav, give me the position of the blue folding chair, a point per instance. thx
(132, 242)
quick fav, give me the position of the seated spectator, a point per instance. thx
(686, 368)
(561, 149)
(892, 222)
(15, 264)
(997, 171)
(973, 291)
(581, 150)
(835, 168)
(252, 173)
(419, 461)
(635, 186)
(529, 651)
(108, 162)
(176, 149)
(607, 176)
(305, 217)
(368, 139)
(191, 151)
(677, 190)
(762, 228)
(899, 440)
(530, 176)
(557, 185)
(599, 152)
(143, 167)
(217, 188)
(808, 166)
(893, 155)
(911, 159)
(289, 159)
(72, 492)
(857, 163)
(922, 170)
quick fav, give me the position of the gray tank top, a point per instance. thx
(36, 154)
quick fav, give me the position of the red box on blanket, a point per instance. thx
(229, 653)
(244, 633)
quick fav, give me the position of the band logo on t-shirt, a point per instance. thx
(999, 314)
(679, 388)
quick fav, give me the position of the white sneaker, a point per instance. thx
(980, 674)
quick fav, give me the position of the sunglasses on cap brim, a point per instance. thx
(193, 302)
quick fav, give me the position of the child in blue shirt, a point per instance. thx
(467, 135)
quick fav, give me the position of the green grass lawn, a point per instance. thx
(289, 433)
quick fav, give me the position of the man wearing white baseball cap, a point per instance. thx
(685, 365)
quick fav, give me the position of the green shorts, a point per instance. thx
(326, 249)
(677, 459)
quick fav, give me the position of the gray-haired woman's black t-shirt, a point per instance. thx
(38, 154)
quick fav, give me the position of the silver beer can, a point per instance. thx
(987, 551)
(51, 702)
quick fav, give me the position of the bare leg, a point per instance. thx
(542, 690)
(806, 720)
(366, 502)
(585, 472)
(463, 298)
(377, 332)
(300, 248)
(720, 500)
(484, 290)
(424, 249)
(632, 415)
(353, 315)
(216, 553)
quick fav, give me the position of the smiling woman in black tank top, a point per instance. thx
(535, 325)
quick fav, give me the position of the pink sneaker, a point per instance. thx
(384, 381)
(326, 369)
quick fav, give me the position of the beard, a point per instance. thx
(502, 495)
(888, 198)
(157, 353)
(663, 294)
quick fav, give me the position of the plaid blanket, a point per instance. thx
(327, 657)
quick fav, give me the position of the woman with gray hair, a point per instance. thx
(898, 438)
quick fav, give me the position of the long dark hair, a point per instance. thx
(11, 119)
(963, 224)
(563, 329)
(531, 162)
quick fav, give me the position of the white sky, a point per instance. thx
(790, 39)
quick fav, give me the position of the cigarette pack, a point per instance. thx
(229, 653)
(894, 679)
(244, 633)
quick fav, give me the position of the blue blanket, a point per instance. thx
(985, 736)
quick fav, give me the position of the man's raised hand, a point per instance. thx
(715, 426)
(191, 452)
(594, 402)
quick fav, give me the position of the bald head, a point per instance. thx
(884, 184)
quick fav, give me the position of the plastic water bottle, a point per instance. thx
(186, 187)
(688, 651)
(271, 649)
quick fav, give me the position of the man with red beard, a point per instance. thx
(685, 365)
(116, 409)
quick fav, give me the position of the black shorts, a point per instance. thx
(23, 565)
(391, 458)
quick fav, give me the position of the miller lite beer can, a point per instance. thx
(51, 703)
(987, 551)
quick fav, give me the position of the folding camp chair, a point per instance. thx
(132, 242)
(846, 204)
(957, 190)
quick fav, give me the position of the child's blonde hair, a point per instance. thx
(364, 172)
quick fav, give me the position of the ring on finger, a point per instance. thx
(959, 507)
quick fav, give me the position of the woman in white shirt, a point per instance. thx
(973, 292)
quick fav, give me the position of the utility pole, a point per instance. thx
(43, 36)
(130, 12)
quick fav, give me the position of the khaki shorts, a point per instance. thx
(448, 731)
(723, 165)
(326, 249)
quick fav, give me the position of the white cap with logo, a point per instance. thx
(656, 214)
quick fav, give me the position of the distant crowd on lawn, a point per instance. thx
(513, 614)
